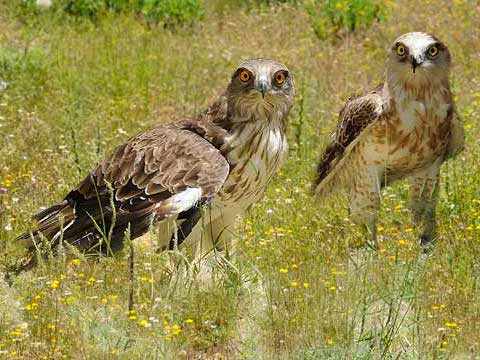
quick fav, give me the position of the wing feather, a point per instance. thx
(156, 174)
(358, 114)
(166, 158)
(457, 135)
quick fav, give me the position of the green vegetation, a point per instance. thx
(328, 17)
(340, 17)
(76, 88)
(170, 13)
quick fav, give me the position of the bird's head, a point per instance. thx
(260, 88)
(418, 57)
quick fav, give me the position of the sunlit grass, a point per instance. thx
(296, 289)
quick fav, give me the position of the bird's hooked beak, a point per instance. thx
(261, 86)
(416, 62)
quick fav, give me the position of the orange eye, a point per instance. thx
(280, 78)
(244, 76)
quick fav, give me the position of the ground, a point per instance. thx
(297, 289)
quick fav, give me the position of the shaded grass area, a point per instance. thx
(76, 89)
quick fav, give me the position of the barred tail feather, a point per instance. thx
(93, 226)
(50, 222)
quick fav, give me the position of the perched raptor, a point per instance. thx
(200, 173)
(405, 128)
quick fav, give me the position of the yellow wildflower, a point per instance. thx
(451, 325)
(175, 329)
(16, 333)
(55, 284)
(31, 307)
(69, 300)
(7, 182)
(144, 323)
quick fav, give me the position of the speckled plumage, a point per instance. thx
(406, 128)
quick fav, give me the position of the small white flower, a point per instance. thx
(3, 85)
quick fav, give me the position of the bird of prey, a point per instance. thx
(203, 172)
(404, 128)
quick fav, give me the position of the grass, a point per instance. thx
(76, 89)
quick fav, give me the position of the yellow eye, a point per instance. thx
(433, 51)
(244, 75)
(280, 78)
(401, 51)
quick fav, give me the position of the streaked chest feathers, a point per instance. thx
(416, 132)
(255, 152)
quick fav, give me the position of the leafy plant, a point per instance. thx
(339, 17)
(89, 8)
(172, 13)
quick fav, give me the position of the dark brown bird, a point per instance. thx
(211, 167)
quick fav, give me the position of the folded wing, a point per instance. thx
(356, 116)
(167, 171)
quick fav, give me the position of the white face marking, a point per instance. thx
(262, 76)
(417, 42)
(184, 200)
(400, 70)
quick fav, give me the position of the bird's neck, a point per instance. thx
(420, 88)
(244, 126)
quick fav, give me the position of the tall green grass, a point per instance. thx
(295, 289)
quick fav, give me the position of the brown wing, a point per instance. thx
(146, 179)
(456, 142)
(164, 160)
(357, 114)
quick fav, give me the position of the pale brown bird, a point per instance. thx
(405, 128)
(201, 172)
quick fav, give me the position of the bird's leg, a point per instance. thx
(166, 230)
(364, 205)
(423, 200)
(221, 233)
(215, 245)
